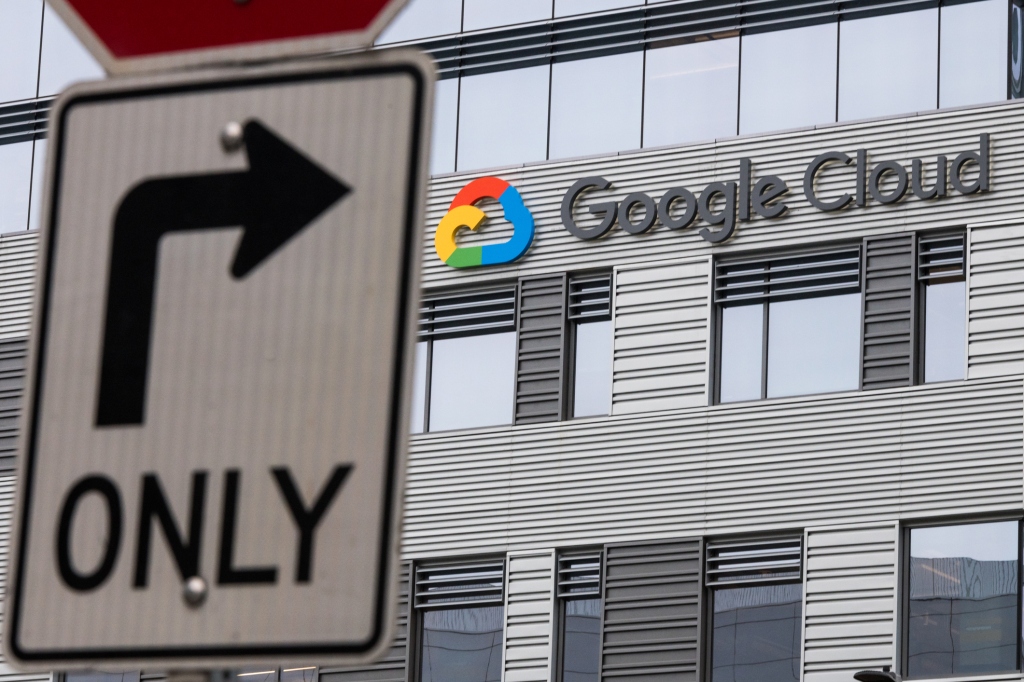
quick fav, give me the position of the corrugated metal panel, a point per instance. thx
(911, 452)
(764, 559)
(17, 282)
(12, 384)
(528, 616)
(391, 668)
(652, 605)
(995, 318)
(25, 120)
(786, 154)
(540, 362)
(850, 601)
(661, 336)
(889, 293)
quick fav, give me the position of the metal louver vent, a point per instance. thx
(477, 582)
(579, 573)
(23, 121)
(582, 37)
(761, 560)
(590, 297)
(940, 257)
(472, 312)
(804, 274)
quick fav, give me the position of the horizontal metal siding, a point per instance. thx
(17, 282)
(786, 154)
(529, 616)
(995, 320)
(779, 464)
(13, 358)
(850, 601)
(661, 336)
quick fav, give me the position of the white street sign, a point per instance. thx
(212, 461)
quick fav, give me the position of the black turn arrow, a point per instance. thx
(280, 194)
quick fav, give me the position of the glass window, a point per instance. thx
(564, 8)
(888, 64)
(20, 30)
(814, 345)
(690, 92)
(418, 410)
(741, 352)
(462, 645)
(490, 13)
(424, 19)
(788, 78)
(945, 305)
(756, 633)
(583, 122)
(64, 59)
(973, 53)
(963, 602)
(38, 173)
(446, 119)
(15, 185)
(96, 676)
(580, 654)
(472, 381)
(592, 371)
(503, 118)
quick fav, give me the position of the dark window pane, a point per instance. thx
(756, 634)
(581, 643)
(740, 375)
(972, 66)
(963, 600)
(868, 49)
(813, 345)
(944, 331)
(462, 645)
(20, 31)
(592, 385)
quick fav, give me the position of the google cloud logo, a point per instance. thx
(464, 213)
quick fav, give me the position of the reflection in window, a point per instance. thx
(479, 14)
(64, 59)
(424, 19)
(15, 185)
(446, 120)
(813, 345)
(789, 78)
(472, 381)
(973, 53)
(20, 29)
(583, 122)
(462, 645)
(581, 640)
(690, 92)
(503, 118)
(944, 330)
(564, 8)
(741, 353)
(963, 599)
(756, 633)
(300, 674)
(870, 83)
(592, 371)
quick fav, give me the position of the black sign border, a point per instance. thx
(409, 252)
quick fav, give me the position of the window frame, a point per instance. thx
(903, 586)
(558, 614)
(717, 317)
(572, 323)
(707, 612)
(920, 300)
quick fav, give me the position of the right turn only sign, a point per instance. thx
(213, 461)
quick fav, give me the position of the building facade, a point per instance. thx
(720, 374)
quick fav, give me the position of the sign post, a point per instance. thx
(213, 449)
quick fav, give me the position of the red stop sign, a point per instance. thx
(134, 35)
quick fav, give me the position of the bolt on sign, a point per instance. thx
(130, 36)
(212, 461)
